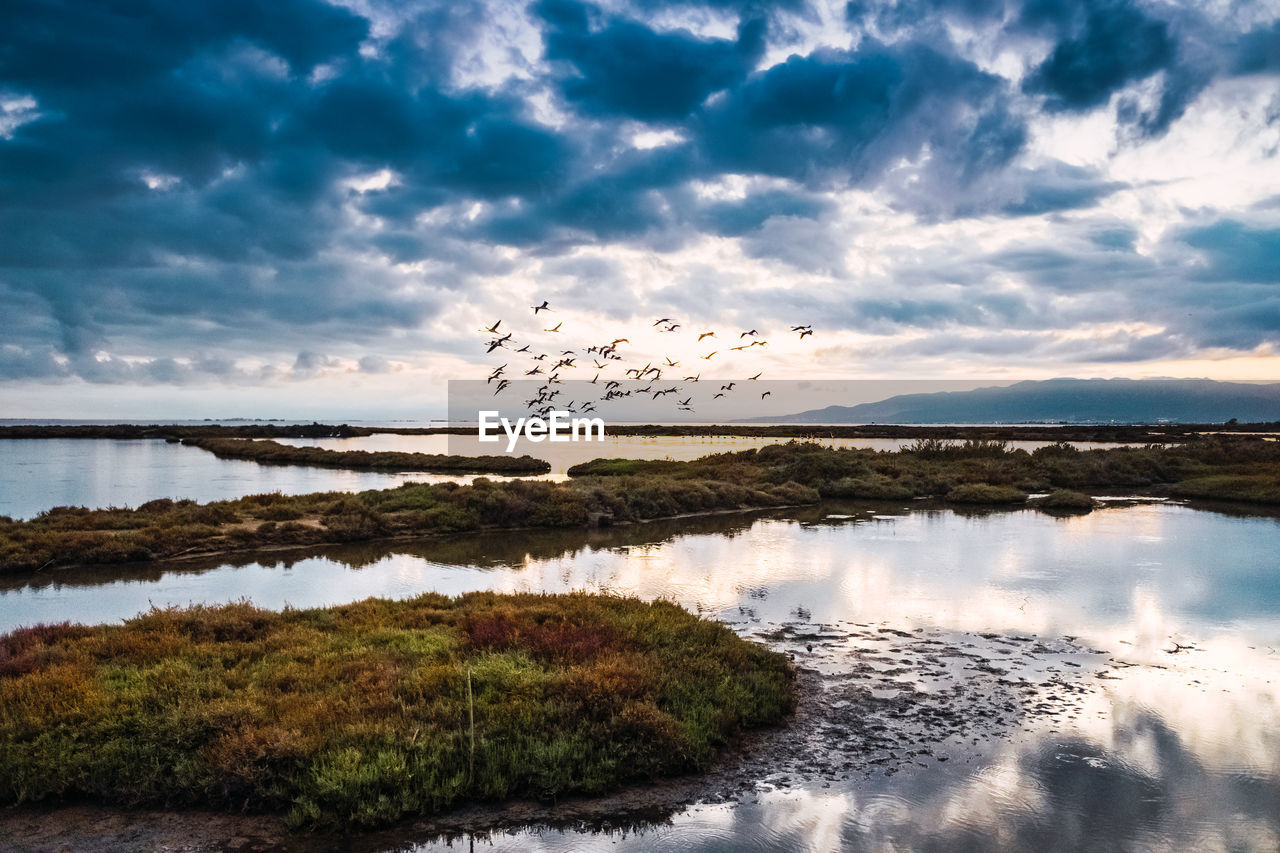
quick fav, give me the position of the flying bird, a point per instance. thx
(752, 332)
(543, 307)
(728, 387)
(493, 330)
(556, 328)
(757, 376)
(706, 335)
(805, 332)
(765, 394)
(663, 320)
(671, 363)
(719, 394)
(708, 355)
(798, 328)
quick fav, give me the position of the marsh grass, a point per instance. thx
(794, 473)
(269, 452)
(370, 712)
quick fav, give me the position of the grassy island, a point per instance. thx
(270, 452)
(373, 711)
(622, 490)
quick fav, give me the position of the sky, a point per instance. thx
(306, 209)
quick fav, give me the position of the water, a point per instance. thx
(37, 474)
(1162, 620)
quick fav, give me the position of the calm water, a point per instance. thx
(1174, 746)
(36, 474)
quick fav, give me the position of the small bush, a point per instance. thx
(983, 493)
(1067, 499)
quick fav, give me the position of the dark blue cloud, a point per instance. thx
(185, 182)
(1115, 44)
(1258, 51)
(735, 218)
(1237, 253)
(841, 117)
(627, 69)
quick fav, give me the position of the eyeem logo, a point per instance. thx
(557, 426)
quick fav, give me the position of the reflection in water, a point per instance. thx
(37, 474)
(1174, 746)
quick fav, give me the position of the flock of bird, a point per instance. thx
(552, 368)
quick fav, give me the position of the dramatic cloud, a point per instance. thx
(246, 193)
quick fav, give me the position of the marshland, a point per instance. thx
(951, 621)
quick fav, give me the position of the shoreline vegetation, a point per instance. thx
(363, 714)
(267, 452)
(1102, 433)
(612, 491)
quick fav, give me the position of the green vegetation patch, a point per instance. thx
(366, 713)
(1067, 499)
(972, 472)
(269, 452)
(982, 493)
(1255, 488)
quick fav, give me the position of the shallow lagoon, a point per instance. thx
(1171, 738)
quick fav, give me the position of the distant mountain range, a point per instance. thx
(1080, 401)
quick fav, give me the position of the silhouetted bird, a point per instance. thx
(765, 394)
(708, 355)
(556, 328)
(706, 335)
(744, 334)
(757, 376)
(543, 307)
